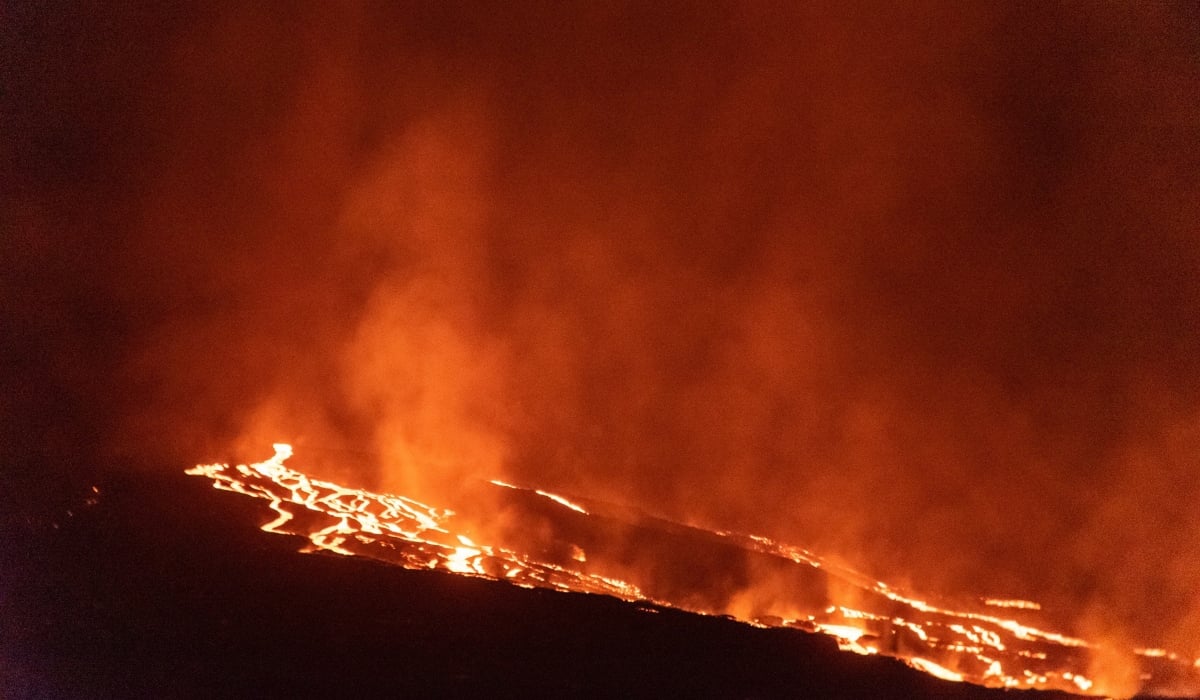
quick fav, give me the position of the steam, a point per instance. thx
(915, 288)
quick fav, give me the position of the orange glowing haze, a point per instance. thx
(914, 288)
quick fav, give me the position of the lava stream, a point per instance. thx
(591, 548)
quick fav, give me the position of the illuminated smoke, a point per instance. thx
(917, 287)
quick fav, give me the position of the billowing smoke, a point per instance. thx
(919, 287)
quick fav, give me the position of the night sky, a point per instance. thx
(918, 287)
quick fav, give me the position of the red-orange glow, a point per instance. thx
(1023, 604)
(912, 285)
(934, 669)
(946, 641)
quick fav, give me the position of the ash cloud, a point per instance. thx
(917, 287)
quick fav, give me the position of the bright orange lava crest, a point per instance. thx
(951, 642)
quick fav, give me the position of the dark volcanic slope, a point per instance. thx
(164, 588)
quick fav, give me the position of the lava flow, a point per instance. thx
(550, 541)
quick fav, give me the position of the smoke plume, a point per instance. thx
(916, 287)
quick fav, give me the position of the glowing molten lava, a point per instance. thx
(585, 547)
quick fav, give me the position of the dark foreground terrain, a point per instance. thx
(164, 588)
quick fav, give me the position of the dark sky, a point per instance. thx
(915, 286)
